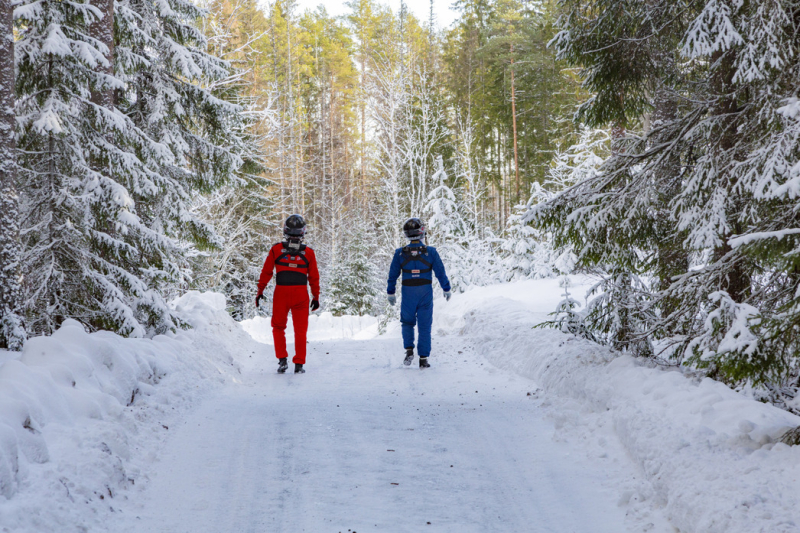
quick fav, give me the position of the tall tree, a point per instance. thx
(696, 194)
(12, 333)
(107, 181)
(504, 77)
(242, 212)
(363, 21)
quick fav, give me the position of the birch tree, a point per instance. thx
(389, 108)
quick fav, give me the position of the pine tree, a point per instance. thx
(692, 216)
(108, 180)
(12, 332)
(241, 212)
(503, 76)
(353, 279)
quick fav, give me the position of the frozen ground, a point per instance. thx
(361, 443)
(512, 430)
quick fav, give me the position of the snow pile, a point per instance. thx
(84, 416)
(321, 327)
(81, 414)
(710, 454)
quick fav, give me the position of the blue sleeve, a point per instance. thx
(438, 269)
(394, 272)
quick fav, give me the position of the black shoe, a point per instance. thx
(282, 365)
(409, 357)
(423, 362)
(298, 369)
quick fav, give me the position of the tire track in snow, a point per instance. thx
(361, 443)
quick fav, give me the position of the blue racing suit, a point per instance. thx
(417, 263)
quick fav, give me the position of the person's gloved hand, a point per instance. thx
(314, 305)
(447, 295)
(258, 298)
(392, 299)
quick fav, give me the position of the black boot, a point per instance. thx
(282, 365)
(409, 357)
(298, 369)
(423, 362)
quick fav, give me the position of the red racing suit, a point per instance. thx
(295, 268)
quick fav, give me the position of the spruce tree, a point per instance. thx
(112, 144)
(12, 333)
(693, 215)
(353, 279)
(525, 252)
(445, 228)
(75, 211)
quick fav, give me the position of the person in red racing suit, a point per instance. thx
(295, 266)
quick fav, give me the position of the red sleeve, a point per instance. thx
(313, 273)
(266, 272)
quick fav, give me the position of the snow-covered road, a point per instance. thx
(361, 443)
(545, 432)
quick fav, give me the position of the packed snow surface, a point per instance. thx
(512, 429)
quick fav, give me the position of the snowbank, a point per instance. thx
(709, 453)
(81, 414)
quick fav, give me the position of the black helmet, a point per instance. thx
(414, 229)
(295, 227)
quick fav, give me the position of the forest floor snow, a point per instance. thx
(513, 429)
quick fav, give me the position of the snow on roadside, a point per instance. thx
(82, 415)
(710, 454)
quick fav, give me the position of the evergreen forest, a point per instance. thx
(150, 148)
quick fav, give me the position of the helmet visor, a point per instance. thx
(294, 232)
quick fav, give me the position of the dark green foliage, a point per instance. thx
(353, 280)
(491, 39)
(695, 199)
(107, 181)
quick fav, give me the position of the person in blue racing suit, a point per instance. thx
(417, 263)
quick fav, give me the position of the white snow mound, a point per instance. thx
(710, 453)
(77, 408)
(83, 416)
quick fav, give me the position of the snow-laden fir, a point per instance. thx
(111, 148)
(689, 214)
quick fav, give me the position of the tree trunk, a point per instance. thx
(736, 280)
(12, 334)
(514, 122)
(672, 256)
(362, 180)
(103, 30)
(363, 183)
